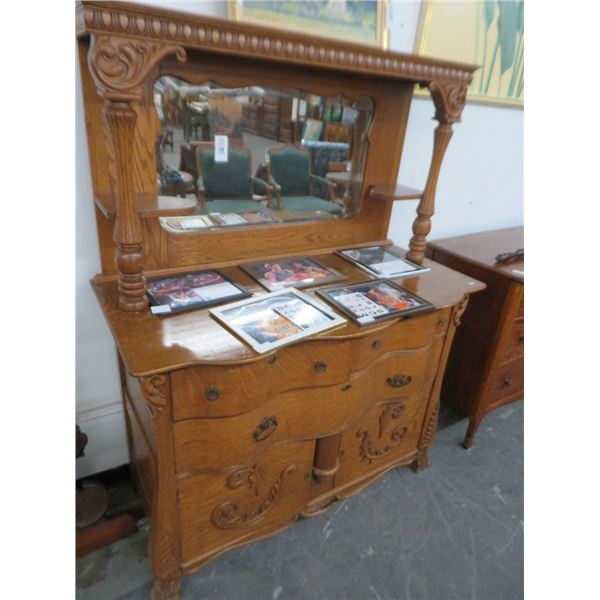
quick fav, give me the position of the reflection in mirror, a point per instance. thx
(258, 154)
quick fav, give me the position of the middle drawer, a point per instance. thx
(300, 414)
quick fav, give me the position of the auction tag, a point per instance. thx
(221, 148)
(160, 309)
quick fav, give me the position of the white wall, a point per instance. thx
(480, 188)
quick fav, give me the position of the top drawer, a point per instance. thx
(228, 390)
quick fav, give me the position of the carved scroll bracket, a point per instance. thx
(120, 65)
(449, 100)
(459, 310)
(156, 391)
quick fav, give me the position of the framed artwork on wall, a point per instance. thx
(488, 33)
(361, 21)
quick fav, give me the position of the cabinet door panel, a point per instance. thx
(222, 510)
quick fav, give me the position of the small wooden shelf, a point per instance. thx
(149, 206)
(397, 192)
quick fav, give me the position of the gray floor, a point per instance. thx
(454, 531)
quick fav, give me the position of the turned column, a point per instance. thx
(119, 67)
(449, 100)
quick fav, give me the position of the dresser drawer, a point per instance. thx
(220, 510)
(225, 391)
(516, 341)
(300, 414)
(507, 381)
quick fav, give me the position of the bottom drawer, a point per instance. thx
(218, 511)
(507, 381)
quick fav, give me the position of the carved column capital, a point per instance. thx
(449, 100)
(119, 65)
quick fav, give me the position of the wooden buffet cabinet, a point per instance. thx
(229, 446)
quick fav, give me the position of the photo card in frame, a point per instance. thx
(297, 272)
(369, 302)
(189, 291)
(382, 261)
(277, 319)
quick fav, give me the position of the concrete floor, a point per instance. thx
(451, 532)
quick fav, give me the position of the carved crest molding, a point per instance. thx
(224, 36)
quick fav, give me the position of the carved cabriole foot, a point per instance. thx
(169, 589)
(421, 461)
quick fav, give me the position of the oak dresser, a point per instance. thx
(485, 368)
(227, 445)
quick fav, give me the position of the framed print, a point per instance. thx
(489, 34)
(291, 272)
(382, 261)
(192, 290)
(312, 130)
(277, 319)
(373, 301)
(362, 21)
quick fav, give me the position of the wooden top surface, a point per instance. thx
(255, 41)
(150, 344)
(149, 206)
(482, 248)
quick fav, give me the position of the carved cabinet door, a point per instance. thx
(221, 509)
(389, 432)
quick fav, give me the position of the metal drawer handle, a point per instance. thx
(506, 382)
(212, 393)
(320, 366)
(397, 381)
(376, 344)
(265, 428)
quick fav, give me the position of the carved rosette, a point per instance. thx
(156, 391)
(230, 515)
(119, 66)
(370, 448)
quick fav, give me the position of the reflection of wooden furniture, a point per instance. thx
(171, 187)
(229, 446)
(346, 181)
(277, 118)
(252, 113)
(485, 369)
(337, 132)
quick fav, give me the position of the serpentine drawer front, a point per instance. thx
(229, 390)
(223, 442)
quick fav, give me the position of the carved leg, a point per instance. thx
(421, 461)
(168, 589)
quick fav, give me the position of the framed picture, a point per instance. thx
(372, 301)
(382, 261)
(277, 319)
(192, 290)
(362, 21)
(487, 33)
(291, 272)
(312, 130)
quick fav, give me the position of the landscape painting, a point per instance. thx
(361, 21)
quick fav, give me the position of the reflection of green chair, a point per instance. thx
(228, 186)
(294, 184)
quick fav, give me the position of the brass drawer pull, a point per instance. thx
(376, 344)
(265, 428)
(346, 387)
(212, 393)
(397, 381)
(320, 366)
(506, 382)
